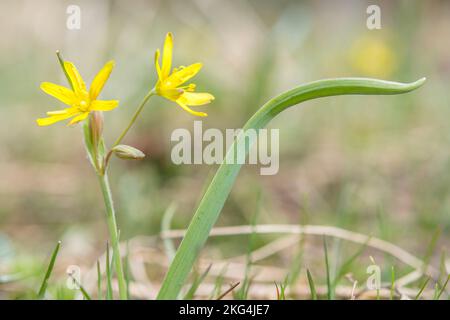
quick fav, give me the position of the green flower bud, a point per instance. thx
(127, 152)
(96, 126)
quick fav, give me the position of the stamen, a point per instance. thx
(83, 106)
(189, 88)
(178, 69)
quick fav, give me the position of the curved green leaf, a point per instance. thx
(214, 198)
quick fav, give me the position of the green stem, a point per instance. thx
(215, 196)
(113, 234)
(136, 114)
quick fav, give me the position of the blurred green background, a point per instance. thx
(376, 165)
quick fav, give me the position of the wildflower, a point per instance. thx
(80, 101)
(169, 83)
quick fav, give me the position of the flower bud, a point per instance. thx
(127, 152)
(96, 126)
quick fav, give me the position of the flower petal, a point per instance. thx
(100, 80)
(72, 111)
(75, 77)
(158, 68)
(78, 118)
(195, 113)
(104, 105)
(54, 118)
(171, 94)
(167, 56)
(195, 98)
(181, 76)
(59, 92)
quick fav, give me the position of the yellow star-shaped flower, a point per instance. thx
(80, 101)
(169, 84)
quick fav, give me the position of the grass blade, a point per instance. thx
(347, 264)
(99, 282)
(392, 283)
(86, 295)
(330, 290)
(424, 285)
(109, 290)
(312, 286)
(51, 264)
(442, 267)
(218, 283)
(126, 270)
(436, 291)
(431, 247)
(232, 287)
(443, 288)
(277, 290)
(214, 198)
(196, 283)
(378, 283)
(84, 292)
(281, 291)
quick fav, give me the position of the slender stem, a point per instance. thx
(136, 114)
(113, 234)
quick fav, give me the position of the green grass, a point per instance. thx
(330, 286)
(422, 288)
(196, 283)
(312, 286)
(108, 264)
(48, 273)
(99, 282)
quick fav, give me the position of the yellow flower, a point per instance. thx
(169, 84)
(80, 101)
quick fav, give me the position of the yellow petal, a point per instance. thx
(79, 118)
(72, 111)
(100, 80)
(52, 119)
(195, 113)
(181, 76)
(158, 68)
(171, 93)
(167, 56)
(103, 105)
(74, 76)
(59, 92)
(196, 98)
